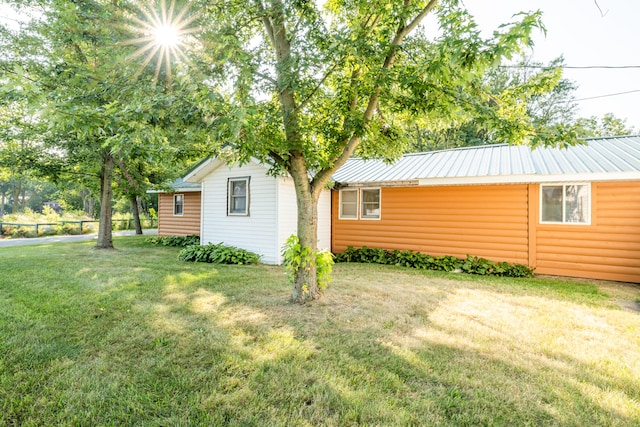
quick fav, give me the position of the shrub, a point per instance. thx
(296, 255)
(181, 241)
(218, 254)
(407, 258)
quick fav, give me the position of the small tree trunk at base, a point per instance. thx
(105, 238)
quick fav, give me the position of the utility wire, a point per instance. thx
(585, 67)
(605, 96)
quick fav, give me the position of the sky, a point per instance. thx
(586, 33)
(577, 30)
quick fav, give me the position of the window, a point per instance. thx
(238, 196)
(361, 203)
(348, 204)
(178, 204)
(565, 203)
(370, 207)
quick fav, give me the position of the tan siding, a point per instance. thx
(172, 225)
(607, 249)
(485, 221)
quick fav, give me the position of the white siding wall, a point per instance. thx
(324, 220)
(287, 212)
(256, 232)
(288, 215)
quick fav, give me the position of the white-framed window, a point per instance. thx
(370, 203)
(178, 204)
(238, 196)
(568, 203)
(363, 203)
(348, 204)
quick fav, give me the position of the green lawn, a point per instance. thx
(135, 337)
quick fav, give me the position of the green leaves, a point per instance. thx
(218, 254)
(297, 257)
(407, 258)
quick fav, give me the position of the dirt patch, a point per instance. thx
(629, 305)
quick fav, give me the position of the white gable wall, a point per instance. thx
(256, 232)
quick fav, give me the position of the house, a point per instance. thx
(243, 206)
(179, 210)
(569, 212)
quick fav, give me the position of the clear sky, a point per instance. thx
(577, 30)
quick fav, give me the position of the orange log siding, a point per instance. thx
(607, 249)
(501, 223)
(485, 221)
(179, 225)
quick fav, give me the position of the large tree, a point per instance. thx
(308, 84)
(105, 112)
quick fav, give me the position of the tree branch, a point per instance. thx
(324, 175)
(267, 22)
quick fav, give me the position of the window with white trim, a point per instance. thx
(178, 204)
(238, 196)
(370, 203)
(565, 204)
(348, 204)
(363, 203)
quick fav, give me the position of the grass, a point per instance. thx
(135, 337)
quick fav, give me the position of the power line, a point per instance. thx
(605, 96)
(570, 67)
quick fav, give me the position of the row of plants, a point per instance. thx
(295, 255)
(177, 241)
(219, 254)
(407, 258)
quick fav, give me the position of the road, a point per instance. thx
(74, 238)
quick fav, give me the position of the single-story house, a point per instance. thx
(179, 211)
(572, 212)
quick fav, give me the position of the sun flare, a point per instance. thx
(166, 35)
(162, 33)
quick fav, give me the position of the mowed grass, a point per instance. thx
(135, 337)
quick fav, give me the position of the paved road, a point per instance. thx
(75, 238)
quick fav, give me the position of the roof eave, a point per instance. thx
(532, 178)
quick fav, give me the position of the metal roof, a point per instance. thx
(180, 184)
(611, 158)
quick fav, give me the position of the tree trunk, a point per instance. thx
(305, 286)
(17, 184)
(88, 203)
(135, 209)
(24, 198)
(105, 238)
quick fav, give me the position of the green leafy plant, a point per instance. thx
(407, 258)
(218, 254)
(297, 256)
(181, 241)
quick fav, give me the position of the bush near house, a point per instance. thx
(407, 258)
(219, 254)
(179, 241)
